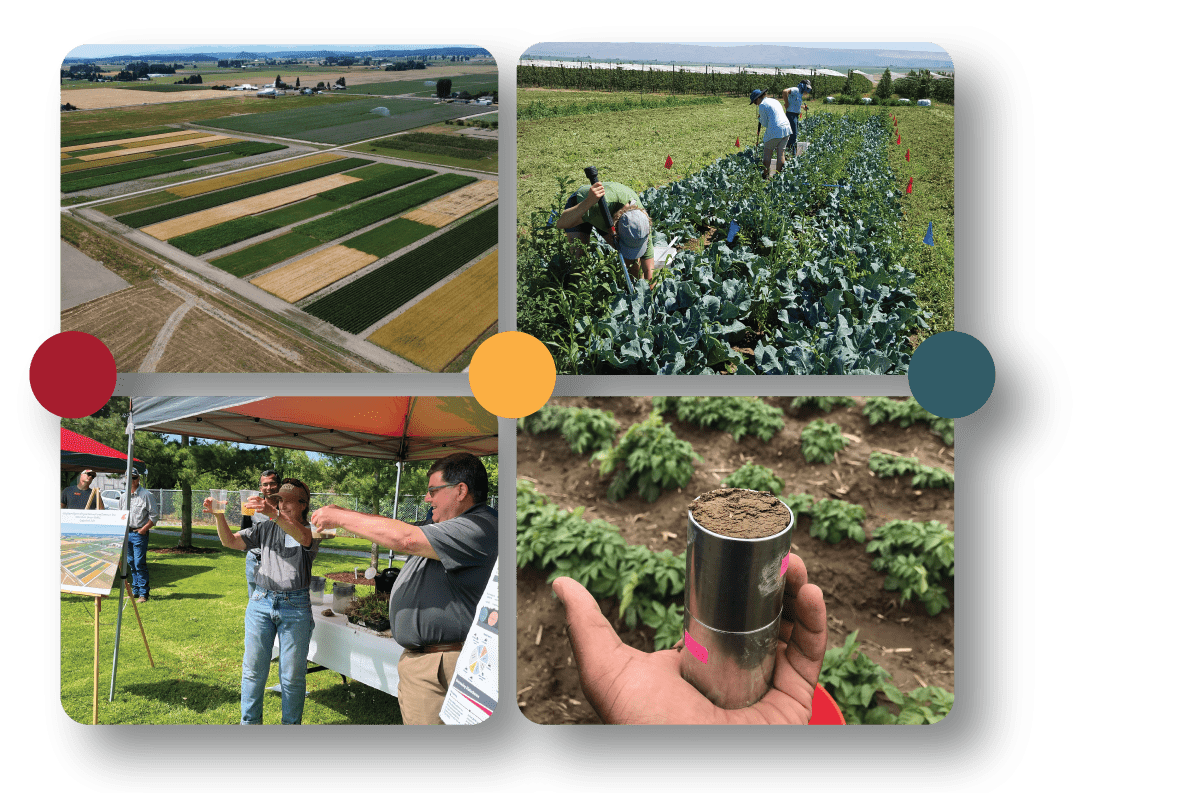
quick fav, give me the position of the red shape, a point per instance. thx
(737, 143)
(908, 155)
(825, 710)
(72, 374)
(669, 161)
(897, 138)
(909, 188)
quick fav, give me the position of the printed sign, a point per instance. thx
(476, 685)
(93, 542)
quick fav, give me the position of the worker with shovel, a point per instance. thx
(771, 116)
(630, 221)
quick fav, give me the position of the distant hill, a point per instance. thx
(304, 54)
(746, 55)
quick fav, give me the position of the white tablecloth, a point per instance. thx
(353, 650)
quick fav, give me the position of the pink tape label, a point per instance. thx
(694, 648)
(783, 565)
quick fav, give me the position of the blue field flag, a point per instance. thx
(929, 234)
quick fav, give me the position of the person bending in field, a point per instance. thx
(772, 119)
(632, 223)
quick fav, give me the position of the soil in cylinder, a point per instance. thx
(745, 514)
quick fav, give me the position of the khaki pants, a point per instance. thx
(773, 154)
(424, 681)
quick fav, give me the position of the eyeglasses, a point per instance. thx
(430, 491)
(89, 473)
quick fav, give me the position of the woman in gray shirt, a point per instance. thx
(280, 605)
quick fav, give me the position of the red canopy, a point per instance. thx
(80, 452)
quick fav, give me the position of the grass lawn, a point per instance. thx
(195, 625)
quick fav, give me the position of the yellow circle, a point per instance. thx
(512, 374)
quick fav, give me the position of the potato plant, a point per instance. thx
(923, 476)
(906, 413)
(825, 403)
(739, 416)
(586, 430)
(918, 558)
(755, 477)
(648, 457)
(834, 521)
(820, 441)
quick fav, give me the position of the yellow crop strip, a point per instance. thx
(422, 334)
(461, 202)
(174, 144)
(316, 271)
(254, 174)
(142, 139)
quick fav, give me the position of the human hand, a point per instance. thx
(208, 502)
(327, 518)
(594, 195)
(628, 686)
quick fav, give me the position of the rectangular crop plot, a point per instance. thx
(121, 137)
(246, 206)
(422, 335)
(467, 148)
(303, 277)
(255, 257)
(373, 185)
(390, 237)
(201, 242)
(351, 219)
(208, 185)
(460, 203)
(475, 83)
(171, 144)
(365, 301)
(300, 211)
(128, 171)
(345, 122)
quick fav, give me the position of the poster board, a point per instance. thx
(475, 686)
(92, 546)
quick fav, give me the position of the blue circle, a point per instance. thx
(951, 374)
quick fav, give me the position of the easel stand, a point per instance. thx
(117, 642)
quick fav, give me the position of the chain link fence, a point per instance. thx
(410, 509)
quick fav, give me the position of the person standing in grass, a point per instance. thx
(143, 514)
(632, 239)
(279, 606)
(771, 118)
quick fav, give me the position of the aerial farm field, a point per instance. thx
(870, 482)
(247, 250)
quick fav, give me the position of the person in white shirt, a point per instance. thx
(773, 119)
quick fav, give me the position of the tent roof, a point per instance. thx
(387, 428)
(80, 452)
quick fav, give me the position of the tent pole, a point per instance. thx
(395, 507)
(123, 574)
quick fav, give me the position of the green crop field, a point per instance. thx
(117, 134)
(213, 238)
(75, 181)
(475, 83)
(251, 259)
(345, 122)
(353, 218)
(390, 237)
(301, 210)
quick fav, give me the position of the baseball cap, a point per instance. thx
(755, 94)
(89, 472)
(135, 474)
(633, 234)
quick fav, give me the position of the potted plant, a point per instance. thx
(370, 612)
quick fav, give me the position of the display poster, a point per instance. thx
(475, 687)
(93, 542)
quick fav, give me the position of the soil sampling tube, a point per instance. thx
(737, 551)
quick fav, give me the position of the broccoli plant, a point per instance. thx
(918, 559)
(820, 441)
(736, 415)
(648, 457)
(755, 477)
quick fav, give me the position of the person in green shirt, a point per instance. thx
(632, 239)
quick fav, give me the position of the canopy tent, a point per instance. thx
(386, 428)
(80, 452)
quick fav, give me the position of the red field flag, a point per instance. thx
(909, 188)
(907, 155)
(737, 143)
(897, 138)
(669, 162)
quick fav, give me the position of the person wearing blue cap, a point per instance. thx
(632, 223)
(774, 120)
(795, 105)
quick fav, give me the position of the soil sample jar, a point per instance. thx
(342, 595)
(737, 551)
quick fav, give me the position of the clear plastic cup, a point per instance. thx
(220, 499)
(246, 496)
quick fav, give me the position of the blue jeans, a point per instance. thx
(288, 615)
(792, 119)
(139, 579)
